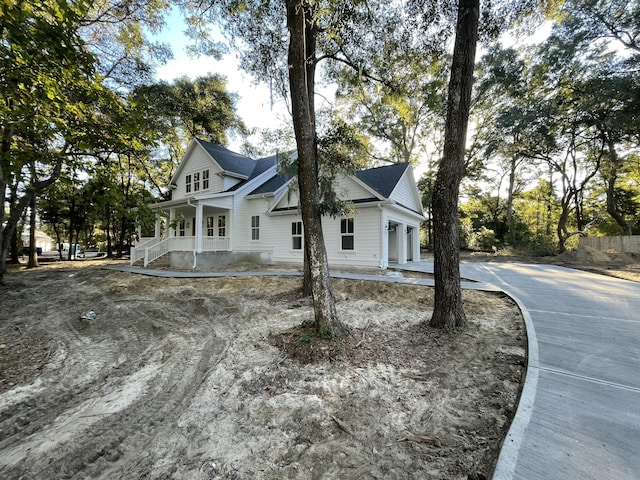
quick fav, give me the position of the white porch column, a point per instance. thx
(402, 243)
(199, 209)
(384, 242)
(157, 231)
(229, 230)
(171, 231)
(416, 244)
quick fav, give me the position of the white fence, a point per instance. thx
(627, 243)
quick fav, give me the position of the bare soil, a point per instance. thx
(218, 378)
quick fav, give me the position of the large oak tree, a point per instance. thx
(448, 307)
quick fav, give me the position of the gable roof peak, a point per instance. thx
(383, 179)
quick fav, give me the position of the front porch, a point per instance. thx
(203, 226)
(150, 249)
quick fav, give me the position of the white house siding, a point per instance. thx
(289, 199)
(347, 188)
(281, 240)
(404, 193)
(244, 210)
(198, 161)
(276, 238)
(367, 237)
(228, 182)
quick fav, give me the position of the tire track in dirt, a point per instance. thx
(111, 390)
(187, 380)
(102, 426)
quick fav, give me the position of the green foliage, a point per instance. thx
(306, 338)
(341, 150)
(165, 117)
(198, 108)
(118, 32)
(51, 101)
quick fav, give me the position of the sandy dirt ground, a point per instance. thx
(217, 379)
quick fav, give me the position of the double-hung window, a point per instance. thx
(347, 234)
(210, 227)
(296, 235)
(222, 225)
(205, 179)
(255, 227)
(187, 183)
(196, 181)
(181, 227)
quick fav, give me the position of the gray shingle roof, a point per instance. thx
(273, 184)
(383, 179)
(229, 161)
(261, 166)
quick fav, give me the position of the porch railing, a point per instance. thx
(155, 251)
(152, 251)
(137, 252)
(182, 243)
(215, 244)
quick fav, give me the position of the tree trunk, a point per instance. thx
(612, 208)
(9, 226)
(510, 220)
(108, 234)
(33, 253)
(58, 240)
(562, 230)
(562, 237)
(15, 248)
(307, 291)
(448, 312)
(72, 214)
(120, 238)
(301, 83)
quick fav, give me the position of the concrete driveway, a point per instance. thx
(579, 414)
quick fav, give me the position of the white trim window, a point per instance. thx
(222, 225)
(296, 235)
(182, 227)
(255, 227)
(210, 227)
(347, 233)
(187, 183)
(205, 179)
(196, 181)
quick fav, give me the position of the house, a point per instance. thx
(226, 207)
(44, 242)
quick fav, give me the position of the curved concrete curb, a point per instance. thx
(506, 464)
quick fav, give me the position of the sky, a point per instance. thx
(254, 100)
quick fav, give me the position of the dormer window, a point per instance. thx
(187, 183)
